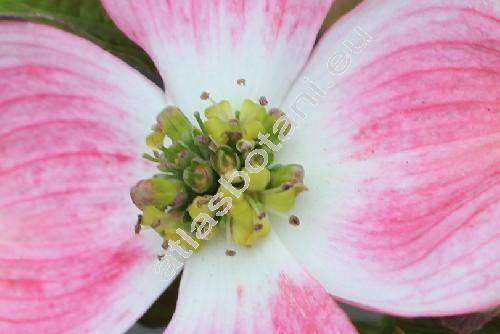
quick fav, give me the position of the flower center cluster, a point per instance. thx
(217, 176)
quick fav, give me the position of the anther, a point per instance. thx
(205, 96)
(287, 186)
(258, 227)
(294, 220)
(165, 245)
(263, 101)
(230, 252)
(138, 226)
(241, 82)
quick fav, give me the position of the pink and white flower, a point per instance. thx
(402, 158)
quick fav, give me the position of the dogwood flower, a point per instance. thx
(397, 131)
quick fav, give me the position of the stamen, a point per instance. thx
(241, 82)
(205, 96)
(294, 220)
(138, 226)
(165, 245)
(263, 101)
(230, 252)
(258, 227)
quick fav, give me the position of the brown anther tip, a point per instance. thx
(287, 186)
(205, 96)
(230, 252)
(138, 228)
(262, 215)
(165, 245)
(263, 101)
(294, 220)
(241, 82)
(258, 227)
(161, 257)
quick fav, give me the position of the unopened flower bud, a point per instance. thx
(177, 157)
(225, 160)
(199, 176)
(175, 125)
(159, 192)
(202, 142)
